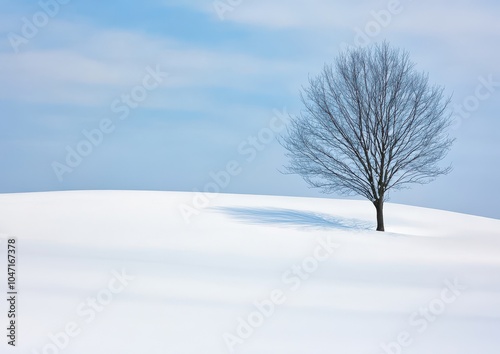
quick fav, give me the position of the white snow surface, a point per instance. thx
(195, 283)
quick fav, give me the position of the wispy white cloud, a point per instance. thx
(279, 14)
(88, 65)
(425, 16)
(460, 33)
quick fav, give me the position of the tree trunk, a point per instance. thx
(379, 205)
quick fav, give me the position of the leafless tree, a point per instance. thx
(371, 123)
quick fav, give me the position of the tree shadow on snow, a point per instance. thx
(293, 218)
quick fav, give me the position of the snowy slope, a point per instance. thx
(123, 272)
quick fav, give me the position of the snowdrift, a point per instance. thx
(127, 272)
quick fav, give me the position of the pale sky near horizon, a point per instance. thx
(194, 81)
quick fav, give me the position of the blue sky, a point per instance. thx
(226, 79)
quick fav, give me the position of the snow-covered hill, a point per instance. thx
(125, 272)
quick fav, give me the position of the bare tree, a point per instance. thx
(371, 123)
